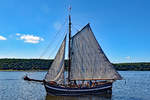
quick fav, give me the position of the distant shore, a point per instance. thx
(44, 64)
(9, 70)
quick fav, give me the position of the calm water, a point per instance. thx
(136, 86)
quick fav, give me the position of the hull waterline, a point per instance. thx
(62, 91)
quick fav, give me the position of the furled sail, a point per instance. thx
(88, 61)
(56, 71)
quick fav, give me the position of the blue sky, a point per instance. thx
(122, 27)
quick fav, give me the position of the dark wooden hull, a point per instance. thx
(62, 91)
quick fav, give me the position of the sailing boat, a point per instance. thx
(89, 70)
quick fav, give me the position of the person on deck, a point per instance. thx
(88, 84)
(82, 85)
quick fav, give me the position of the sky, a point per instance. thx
(35, 28)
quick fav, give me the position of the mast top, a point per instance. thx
(69, 10)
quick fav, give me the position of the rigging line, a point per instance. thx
(56, 46)
(52, 41)
(57, 43)
(61, 35)
(75, 28)
(77, 25)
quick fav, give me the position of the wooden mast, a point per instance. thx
(69, 55)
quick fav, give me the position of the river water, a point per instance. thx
(135, 86)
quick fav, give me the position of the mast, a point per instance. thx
(69, 55)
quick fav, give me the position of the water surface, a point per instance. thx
(135, 86)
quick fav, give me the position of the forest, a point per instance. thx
(44, 64)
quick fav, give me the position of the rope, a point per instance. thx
(75, 28)
(59, 42)
(77, 25)
(52, 41)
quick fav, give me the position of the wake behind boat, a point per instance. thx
(89, 70)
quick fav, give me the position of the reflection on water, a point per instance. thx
(92, 97)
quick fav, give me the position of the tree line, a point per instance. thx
(44, 64)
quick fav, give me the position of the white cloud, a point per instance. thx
(2, 38)
(31, 38)
(18, 34)
(128, 57)
(57, 25)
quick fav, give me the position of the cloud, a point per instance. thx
(57, 25)
(128, 57)
(18, 34)
(2, 38)
(30, 38)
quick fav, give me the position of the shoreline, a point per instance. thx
(11, 70)
(44, 64)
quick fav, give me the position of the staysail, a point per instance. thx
(56, 71)
(88, 61)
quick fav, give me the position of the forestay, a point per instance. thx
(88, 61)
(56, 71)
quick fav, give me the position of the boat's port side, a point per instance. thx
(54, 90)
